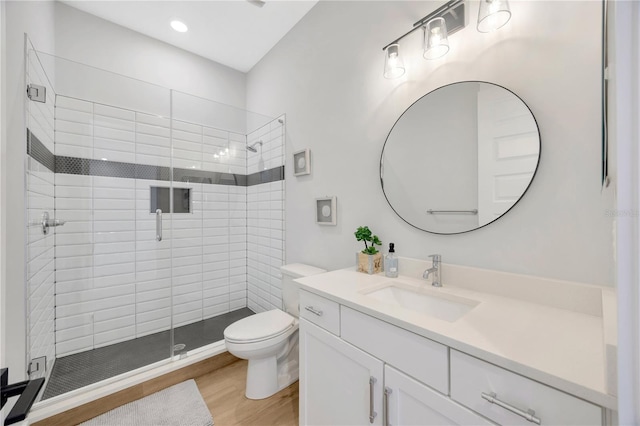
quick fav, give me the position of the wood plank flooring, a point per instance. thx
(102, 405)
(221, 381)
(223, 392)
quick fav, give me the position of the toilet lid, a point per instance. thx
(260, 326)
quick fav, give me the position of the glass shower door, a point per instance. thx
(111, 154)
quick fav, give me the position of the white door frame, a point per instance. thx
(625, 33)
(3, 132)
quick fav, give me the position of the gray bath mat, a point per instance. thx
(179, 405)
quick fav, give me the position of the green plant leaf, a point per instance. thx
(363, 233)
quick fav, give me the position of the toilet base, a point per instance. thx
(264, 379)
(267, 376)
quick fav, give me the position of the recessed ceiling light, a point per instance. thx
(179, 26)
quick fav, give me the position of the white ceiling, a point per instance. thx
(235, 33)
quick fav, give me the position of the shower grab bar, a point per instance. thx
(474, 211)
(158, 225)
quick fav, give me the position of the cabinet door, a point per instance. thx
(409, 402)
(339, 384)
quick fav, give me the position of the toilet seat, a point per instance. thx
(260, 327)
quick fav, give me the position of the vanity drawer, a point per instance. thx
(471, 378)
(320, 311)
(417, 356)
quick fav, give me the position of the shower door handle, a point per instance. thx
(45, 223)
(158, 225)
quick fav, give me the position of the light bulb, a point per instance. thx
(393, 64)
(436, 42)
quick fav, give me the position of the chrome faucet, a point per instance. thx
(434, 271)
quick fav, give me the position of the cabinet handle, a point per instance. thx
(158, 225)
(528, 415)
(372, 414)
(387, 392)
(313, 310)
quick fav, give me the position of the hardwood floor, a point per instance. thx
(223, 392)
(221, 381)
(102, 405)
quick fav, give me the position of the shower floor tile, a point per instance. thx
(78, 370)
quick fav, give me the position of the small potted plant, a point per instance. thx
(368, 260)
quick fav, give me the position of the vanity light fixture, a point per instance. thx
(179, 26)
(393, 63)
(437, 26)
(493, 14)
(440, 24)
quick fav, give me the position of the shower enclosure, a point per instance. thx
(155, 219)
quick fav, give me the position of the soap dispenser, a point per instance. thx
(391, 262)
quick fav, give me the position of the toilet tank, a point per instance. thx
(290, 288)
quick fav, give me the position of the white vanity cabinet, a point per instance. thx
(343, 385)
(356, 369)
(474, 382)
(339, 383)
(409, 402)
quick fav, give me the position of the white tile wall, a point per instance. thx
(114, 280)
(153, 265)
(272, 153)
(153, 140)
(215, 250)
(74, 264)
(187, 236)
(73, 128)
(223, 151)
(205, 148)
(40, 248)
(265, 222)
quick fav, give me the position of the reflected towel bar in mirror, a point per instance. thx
(474, 211)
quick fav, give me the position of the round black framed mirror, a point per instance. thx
(460, 157)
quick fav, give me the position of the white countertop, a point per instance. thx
(561, 344)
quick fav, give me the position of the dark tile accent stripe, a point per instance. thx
(145, 171)
(89, 167)
(84, 166)
(39, 152)
(266, 176)
(202, 176)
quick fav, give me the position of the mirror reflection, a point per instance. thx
(460, 157)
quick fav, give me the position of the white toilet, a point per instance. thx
(269, 340)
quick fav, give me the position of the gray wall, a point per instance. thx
(326, 74)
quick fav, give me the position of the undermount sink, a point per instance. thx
(445, 307)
